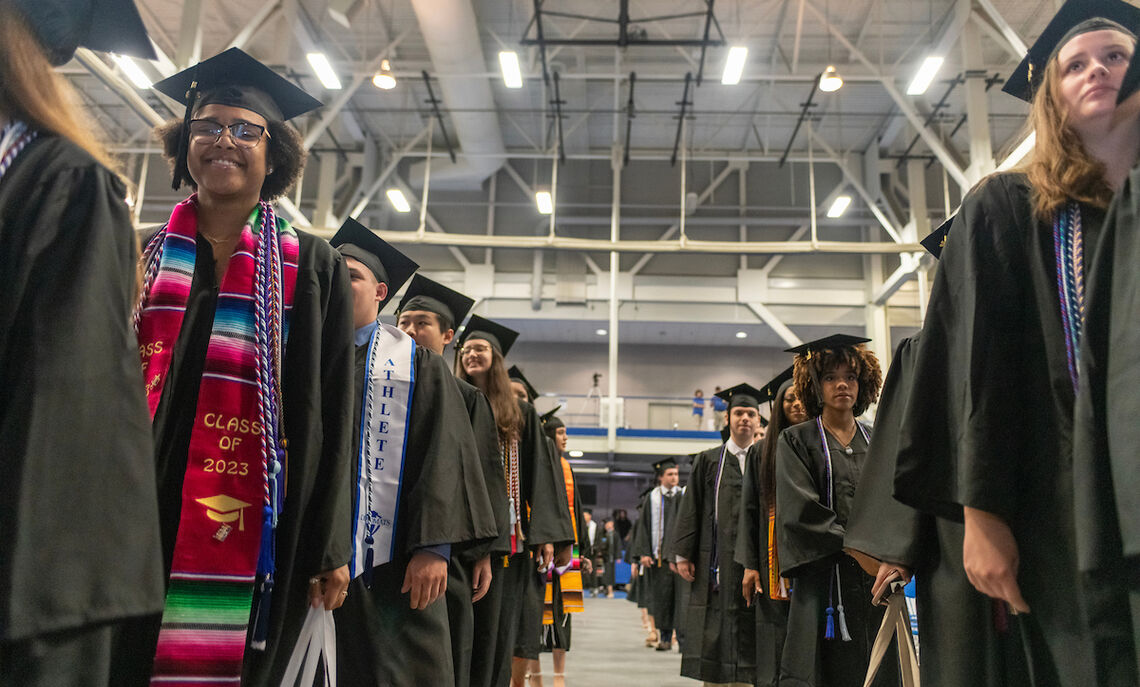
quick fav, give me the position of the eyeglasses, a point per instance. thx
(474, 348)
(244, 134)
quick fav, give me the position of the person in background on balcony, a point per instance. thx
(699, 409)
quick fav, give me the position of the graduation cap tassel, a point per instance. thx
(367, 572)
(843, 633)
(184, 138)
(265, 570)
(829, 629)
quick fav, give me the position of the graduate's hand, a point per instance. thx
(686, 570)
(329, 588)
(672, 566)
(750, 586)
(587, 566)
(990, 557)
(425, 579)
(481, 578)
(646, 562)
(562, 558)
(888, 572)
(545, 554)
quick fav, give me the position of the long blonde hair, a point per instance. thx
(1060, 168)
(32, 91)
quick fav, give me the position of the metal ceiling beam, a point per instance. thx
(804, 108)
(434, 225)
(189, 50)
(630, 114)
(852, 178)
(259, 19)
(685, 102)
(558, 102)
(937, 146)
(1012, 40)
(383, 176)
(434, 102)
(775, 323)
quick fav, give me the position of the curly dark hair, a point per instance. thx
(810, 367)
(287, 155)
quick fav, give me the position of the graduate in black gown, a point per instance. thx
(77, 457)
(831, 622)
(1106, 431)
(234, 148)
(720, 631)
(429, 313)
(657, 515)
(395, 626)
(990, 439)
(763, 588)
(539, 528)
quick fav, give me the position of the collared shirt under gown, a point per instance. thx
(314, 530)
(720, 641)
(993, 426)
(79, 539)
(381, 640)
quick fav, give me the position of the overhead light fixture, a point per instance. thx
(545, 202)
(601, 332)
(509, 63)
(742, 335)
(591, 471)
(137, 76)
(324, 71)
(829, 80)
(576, 454)
(384, 79)
(397, 199)
(734, 65)
(838, 206)
(925, 75)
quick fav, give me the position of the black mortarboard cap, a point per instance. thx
(664, 464)
(742, 395)
(501, 338)
(390, 266)
(550, 421)
(516, 375)
(936, 240)
(61, 26)
(232, 78)
(1131, 82)
(768, 391)
(833, 342)
(431, 296)
(1074, 18)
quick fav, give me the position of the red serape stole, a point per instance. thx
(570, 581)
(231, 491)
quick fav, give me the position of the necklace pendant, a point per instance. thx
(847, 450)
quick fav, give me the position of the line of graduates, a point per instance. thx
(262, 444)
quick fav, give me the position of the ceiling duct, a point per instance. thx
(450, 32)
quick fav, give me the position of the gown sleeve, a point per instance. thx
(549, 520)
(879, 525)
(752, 514)
(687, 535)
(808, 532)
(487, 443)
(957, 448)
(639, 538)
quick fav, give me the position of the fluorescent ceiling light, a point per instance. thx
(545, 202)
(324, 70)
(576, 454)
(509, 63)
(829, 80)
(838, 206)
(591, 471)
(137, 76)
(734, 65)
(397, 199)
(925, 75)
(742, 335)
(601, 332)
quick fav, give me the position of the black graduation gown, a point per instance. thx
(609, 552)
(638, 590)
(659, 580)
(472, 623)
(1106, 433)
(313, 533)
(966, 638)
(557, 635)
(383, 641)
(810, 535)
(79, 539)
(993, 426)
(752, 552)
(720, 632)
(543, 520)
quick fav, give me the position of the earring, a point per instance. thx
(270, 171)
